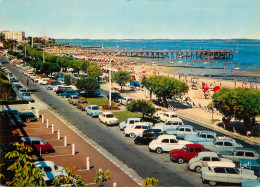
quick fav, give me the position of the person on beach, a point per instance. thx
(27, 82)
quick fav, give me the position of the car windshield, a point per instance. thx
(109, 115)
(185, 148)
(95, 108)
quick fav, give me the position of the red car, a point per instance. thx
(37, 144)
(186, 153)
(50, 81)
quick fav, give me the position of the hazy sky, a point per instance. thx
(120, 19)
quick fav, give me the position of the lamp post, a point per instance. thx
(43, 55)
(110, 86)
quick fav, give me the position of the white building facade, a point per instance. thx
(14, 35)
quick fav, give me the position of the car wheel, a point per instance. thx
(132, 135)
(198, 169)
(159, 150)
(180, 160)
(28, 119)
(212, 183)
(171, 158)
(203, 181)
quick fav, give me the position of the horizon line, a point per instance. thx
(155, 39)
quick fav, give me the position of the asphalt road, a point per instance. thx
(138, 158)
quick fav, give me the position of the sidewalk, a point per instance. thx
(63, 156)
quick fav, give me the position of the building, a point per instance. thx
(14, 35)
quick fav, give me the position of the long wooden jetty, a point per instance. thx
(202, 53)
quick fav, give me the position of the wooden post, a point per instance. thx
(58, 134)
(47, 123)
(73, 149)
(65, 141)
(42, 118)
(87, 163)
(52, 129)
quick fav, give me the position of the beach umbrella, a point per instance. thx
(193, 85)
(143, 71)
(206, 89)
(203, 84)
(216, 88)
(118, 68)
(133, 76)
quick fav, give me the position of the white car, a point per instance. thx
(128, 122)
(157, 115)
(124, 99)
(166, 142)
(226, 172)
(203, 158)
(43, 81)
(137, 129)
(181, 131)
(50, 170)
(168, 115)
(172, 123)
(108, 118)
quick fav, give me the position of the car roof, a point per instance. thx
(31, 138)
(206, 153)
(152, 130)
(107, 113)
(92, 105)
(44, 163)
(143, 123)
(221, 164)
(174, 119)
(194, 145)
(244, 149)
(167, 136)
(133, 119)
(186, 126)
(208, 132)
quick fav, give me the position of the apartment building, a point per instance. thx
(14, 35)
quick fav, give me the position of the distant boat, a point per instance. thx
(237, 68)
(187, 65)
(237, 51)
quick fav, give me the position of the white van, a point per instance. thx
(171, 123)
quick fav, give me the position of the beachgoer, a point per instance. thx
(27, 82)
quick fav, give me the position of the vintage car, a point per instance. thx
(168, 115)
(251, 164)
(50, 170)
(129, 121)
(90, 93)
(201, 160)
(115, 96)
(73, 99)
(186, 153)
(242, 153)
(69, 93)
(201, 136)
(27, 96)
(43, 81)
(137, 128)
(158, 114)
(24, 116)
(165, 143)
(147, 136)
(93, 110)
(82, 104)
(182, 131)
(108, 118)
(222, 145)
(124, 99)
(172, 123)
(52, 85)
(225, 172)
(37, 144)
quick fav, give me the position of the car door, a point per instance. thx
(89, 109)
(165, 144)
(218, 146)
(190, 153)
(202, 138)
(174, 145)
(138, 129)
(210, 138)
(233, 175)
(238, 155)
(205, 161)
(180, 132)
(250, 155)
(228, 147)
(221, 174)
(36, 145)
(187, 131)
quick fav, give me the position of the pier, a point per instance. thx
(171, 54)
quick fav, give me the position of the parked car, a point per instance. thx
(168, 115)
(73, 99)
(172, 124)
(186, 153)
(37, 144)
(129, 121)
(158, 114)
(147, 136)
(60, 89)
(166, 142)
(50, 170)
(93, 110)
(251, 164)
(50, 81)
(52, 85)
(201, 160)
(24, 116)
(137, 128)
(108, 118)
(69, 93)
(124, 99)
(90, 93)
(27, 96)
(183, 131)
(16, 86)
(43, 81)
(222, 145)
(201, 136)
(242, 153)
(225, 172)
(115, 96)
(82, 104)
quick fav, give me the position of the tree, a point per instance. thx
(2, 37)
(94, 71)
(49, 68)
(23, 170)
(141, 105)
(122, 77)
(165, 87)
(150, 182)
(87, 84)
(240, 103)
(67, 79)
(102, 176)
(84, 66)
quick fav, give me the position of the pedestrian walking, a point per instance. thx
(27, 82)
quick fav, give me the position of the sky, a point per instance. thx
(133, 19)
